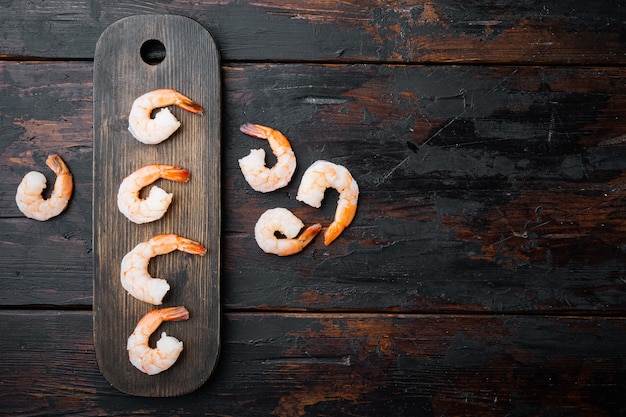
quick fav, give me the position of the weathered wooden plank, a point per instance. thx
(321, 364)
(529, 32)
(482, 188)
(46, 109)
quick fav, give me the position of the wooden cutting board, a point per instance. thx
(133, 56)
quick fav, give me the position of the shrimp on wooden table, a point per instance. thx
(260, 177)
(29, 199)
(134, 268)
(322, 175)
(152, 131)
(155, 360)
(158, 201)
(283, 221)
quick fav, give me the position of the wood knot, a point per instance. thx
(385, 345)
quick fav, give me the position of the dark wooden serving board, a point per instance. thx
(133, 56)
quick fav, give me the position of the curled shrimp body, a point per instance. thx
(29, 199)
(156, 204)
(134, 268)
(149, 360)
(260, 177)
(322, 175)
(283, 221)
(155, 130)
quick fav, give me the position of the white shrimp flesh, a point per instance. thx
(322, 175)
(257, 174)
(134, 268)
(29, 199)
(158, 201)
(152, 131)
(285, 222)
(155, 360)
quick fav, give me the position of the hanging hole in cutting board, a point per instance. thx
(152, 52)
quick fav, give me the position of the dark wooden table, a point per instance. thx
(483, 274)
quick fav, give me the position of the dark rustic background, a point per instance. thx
(483, 273)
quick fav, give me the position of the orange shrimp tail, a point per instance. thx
(189, 246)
(179, 313)
(257, 131)
(310, 232)
(57, 165)
(175, 173)
(64, 184)
(275, 138)
(188, 104)
(343, 217)
(333, 231)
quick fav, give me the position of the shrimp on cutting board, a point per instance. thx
(322, 175)
(283, 221)
(257, 174)
(134, 268)
(158, 201)
(152, 131)
(155, 360)
(29, 199)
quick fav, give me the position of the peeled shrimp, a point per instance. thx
(322, 175)
(283, 221)
(152, 131)
(253, 167)
(156, 204)
(134, 269)
(29, 199)
(143, 357)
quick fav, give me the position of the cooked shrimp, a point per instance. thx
(134, 269)
(283, 221)
(143, 357)
(29, 199)
(322, 175)
(156, 204)
(152, 131)
(260, 177)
